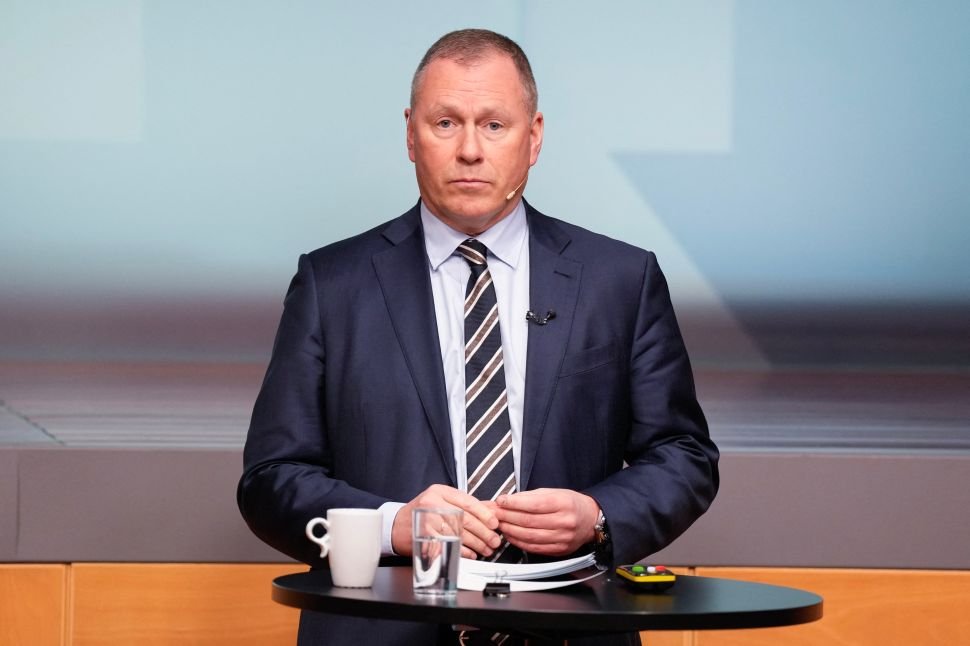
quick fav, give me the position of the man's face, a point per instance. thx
(472, 140)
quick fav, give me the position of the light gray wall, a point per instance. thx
(773, 510)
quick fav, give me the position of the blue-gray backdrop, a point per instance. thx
(800, 168)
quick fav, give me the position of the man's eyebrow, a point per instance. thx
(491, 109)
(442, 106)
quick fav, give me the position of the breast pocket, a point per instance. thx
(589, 359)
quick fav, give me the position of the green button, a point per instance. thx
(638, 569)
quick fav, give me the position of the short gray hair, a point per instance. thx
(469, 46)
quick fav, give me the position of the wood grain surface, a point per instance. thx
(862, 607)
(32, 604)
(179, 604)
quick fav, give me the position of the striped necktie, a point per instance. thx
(488, 432)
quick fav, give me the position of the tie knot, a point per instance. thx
(473, 251)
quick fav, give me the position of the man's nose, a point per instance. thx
(470, 147)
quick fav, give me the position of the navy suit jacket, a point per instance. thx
(353, 413)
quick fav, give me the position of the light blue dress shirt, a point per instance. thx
(508, 262)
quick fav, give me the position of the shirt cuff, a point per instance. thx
(389, 511)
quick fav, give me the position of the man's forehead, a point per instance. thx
(500, 104)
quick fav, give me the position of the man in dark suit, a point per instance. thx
(369, 398)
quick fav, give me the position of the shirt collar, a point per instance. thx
(504, 239)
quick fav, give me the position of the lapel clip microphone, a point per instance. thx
(531, 317)
(516, 189)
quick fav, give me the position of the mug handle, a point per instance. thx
(322, 541)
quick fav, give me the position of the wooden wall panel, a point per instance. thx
(670, 637)
(667, 638)
(32, 604)
(862, 607)
(179, 604)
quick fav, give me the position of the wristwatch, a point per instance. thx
(602, 544)
(601, 532)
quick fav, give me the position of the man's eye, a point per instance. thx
(494, 126)
(445, 123)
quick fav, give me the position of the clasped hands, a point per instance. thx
(552, 522)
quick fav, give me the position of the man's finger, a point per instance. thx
(549, 549)
(537, 536)
(489, 537)
(526, 519)
(536, 501)
(477, 545)
(473, 506)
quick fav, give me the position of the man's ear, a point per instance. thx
(410, 133)
(535, 137)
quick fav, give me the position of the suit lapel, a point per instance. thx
(402, 272)
(553, 285)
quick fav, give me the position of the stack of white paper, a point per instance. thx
(522, 577)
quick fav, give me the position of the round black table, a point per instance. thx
(601, 605)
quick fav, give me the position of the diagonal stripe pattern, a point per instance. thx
(488, 439)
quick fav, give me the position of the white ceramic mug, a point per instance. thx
(352, 543)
